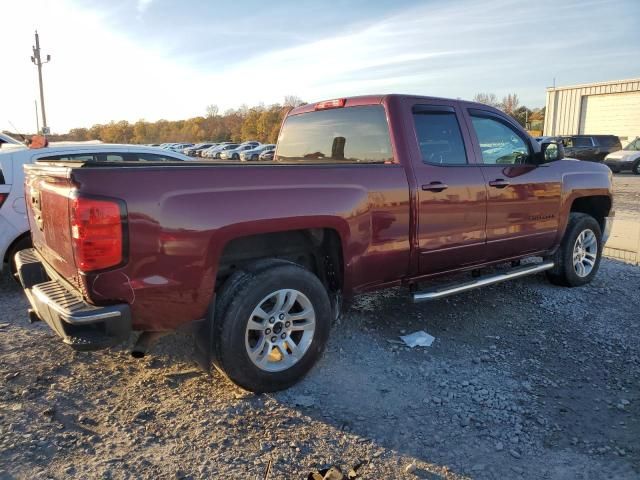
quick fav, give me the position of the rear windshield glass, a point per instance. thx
(350, 135)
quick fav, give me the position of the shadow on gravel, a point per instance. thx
(524, 380)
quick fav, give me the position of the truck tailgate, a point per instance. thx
(48, 191)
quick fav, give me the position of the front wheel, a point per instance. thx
(271, 326)
(578, 258)
(636, 167)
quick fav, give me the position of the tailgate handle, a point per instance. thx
(435, 187)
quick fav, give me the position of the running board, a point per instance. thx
(481, 282)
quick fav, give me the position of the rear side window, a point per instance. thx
(73, 157)
(150, 157)
(439, 136)
(340, 135)
(609, 142)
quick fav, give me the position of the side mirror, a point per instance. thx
(552, 151)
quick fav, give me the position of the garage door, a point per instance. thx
(617, 114)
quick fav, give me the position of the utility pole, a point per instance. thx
(37, 120)
(37, 61)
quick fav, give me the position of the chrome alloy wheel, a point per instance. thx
(280, 330)
(585, 252)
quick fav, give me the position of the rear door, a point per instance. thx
(451, 197)
(523, 197)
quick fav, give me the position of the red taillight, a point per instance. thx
(337, 103)
(3, 197)
(96, 233)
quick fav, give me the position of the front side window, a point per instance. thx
(499, 143)
(340, 135)
(439, 136)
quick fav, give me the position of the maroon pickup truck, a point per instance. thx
(363, 193)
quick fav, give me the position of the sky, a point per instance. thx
(153, 59)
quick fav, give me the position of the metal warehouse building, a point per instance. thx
(594, 108)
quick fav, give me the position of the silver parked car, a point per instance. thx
(254, 153)
(234, 153)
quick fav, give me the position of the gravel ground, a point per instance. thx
(627, 199)
(524, 380)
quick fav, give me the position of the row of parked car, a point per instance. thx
(601, 148)
(246, 151)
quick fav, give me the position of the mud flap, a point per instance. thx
(203, 339)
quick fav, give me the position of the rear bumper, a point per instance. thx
(80, 325)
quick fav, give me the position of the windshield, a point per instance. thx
(634, 145)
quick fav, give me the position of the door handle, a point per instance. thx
(435, 187)
(498, 183)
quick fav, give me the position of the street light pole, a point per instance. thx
(37, 60)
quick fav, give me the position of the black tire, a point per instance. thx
(636, 167)
(564, 272)
(243, 292)
(23, 243)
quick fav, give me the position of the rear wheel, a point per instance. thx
(636, 167)
(271, 326)
(578, 258)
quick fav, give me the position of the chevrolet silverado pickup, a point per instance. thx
(363, 193)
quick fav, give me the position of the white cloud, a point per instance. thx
(143, 5)
(444, 49)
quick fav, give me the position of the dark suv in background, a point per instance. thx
(592, 148)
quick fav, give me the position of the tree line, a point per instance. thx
(260, 123)
(510, 104)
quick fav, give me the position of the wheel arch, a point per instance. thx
(321, 249)
(597, 206)
(10, 249)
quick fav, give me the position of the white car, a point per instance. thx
(626, 159)
(6, 139)
(14, 227)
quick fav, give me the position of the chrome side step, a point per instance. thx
(481, 282)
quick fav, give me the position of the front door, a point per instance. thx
(523, 203)
(451, 193)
